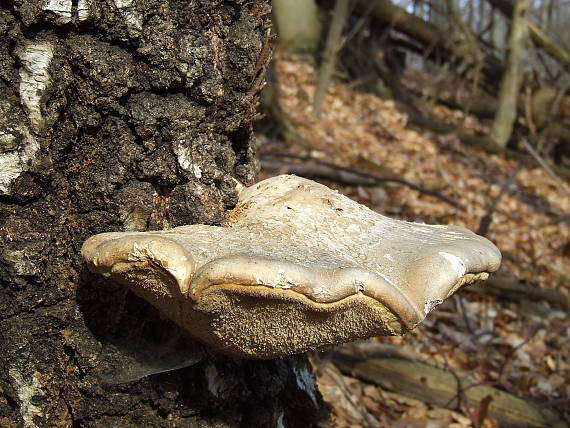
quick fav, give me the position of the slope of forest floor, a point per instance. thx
(517, 344)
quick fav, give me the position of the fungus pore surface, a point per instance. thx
(297, 266)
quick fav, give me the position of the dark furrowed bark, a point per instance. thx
(124, 115)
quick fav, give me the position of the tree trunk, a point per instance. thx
(447, 389)
(122, 115)
(538, 36)
(508, 96)
(439, 44)
(438, 15)
(499, 31)
(326, 71)
(298, 25)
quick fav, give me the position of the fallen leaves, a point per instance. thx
(523, 348)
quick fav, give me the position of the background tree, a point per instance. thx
(298, 24)
(510, 84)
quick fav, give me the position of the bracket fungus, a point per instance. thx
(297, 266)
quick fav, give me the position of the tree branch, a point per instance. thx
(344, 175)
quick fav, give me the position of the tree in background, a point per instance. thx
(464, 46)
(502, 128)
(298, 25)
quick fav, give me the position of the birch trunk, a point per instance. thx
(502, 127)
(124, 115)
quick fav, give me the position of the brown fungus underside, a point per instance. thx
(297, 266)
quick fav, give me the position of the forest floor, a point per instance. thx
(514, 341)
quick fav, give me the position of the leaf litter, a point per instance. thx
(520, 346)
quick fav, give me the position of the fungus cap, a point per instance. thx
(297, 266)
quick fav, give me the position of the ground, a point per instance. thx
(518, 345)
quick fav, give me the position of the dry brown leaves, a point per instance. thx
(522, 348)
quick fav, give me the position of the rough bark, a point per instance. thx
(123, 115)
(509, 91)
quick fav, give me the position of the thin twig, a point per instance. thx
(461, 306)
(460, 391)
(546, 167)
(336, 376)
(344, 175)
(488, 218)
(333, 43)
(354, 30)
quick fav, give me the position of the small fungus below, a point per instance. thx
(297, 266)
